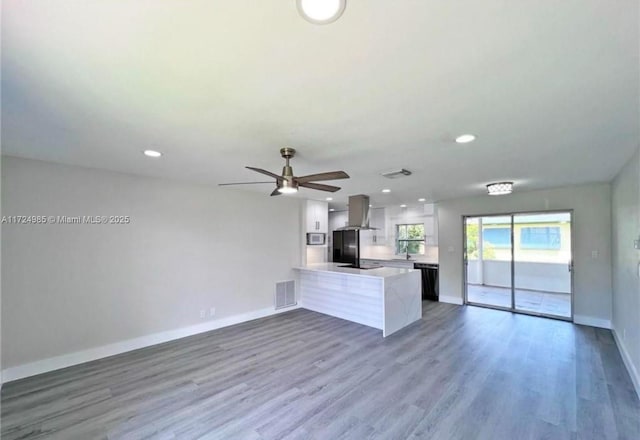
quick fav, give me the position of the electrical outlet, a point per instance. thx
(203, 314)
(636, 244)
(594, 254)
(212, 311)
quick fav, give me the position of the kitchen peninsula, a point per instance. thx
(385, 298)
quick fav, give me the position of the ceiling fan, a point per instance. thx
(287, 183)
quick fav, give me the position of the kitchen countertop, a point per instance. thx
(379, 272)
(399, 260)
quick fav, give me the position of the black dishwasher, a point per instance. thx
(429, 280)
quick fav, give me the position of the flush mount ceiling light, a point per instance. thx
(321, 11)
(465, 138)
(328, 199)
(331, 209)
(386, 190)
(152, 153)
(403, 206)
(422, 200)
(500, 188)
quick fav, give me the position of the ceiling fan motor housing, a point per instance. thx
(287, 172)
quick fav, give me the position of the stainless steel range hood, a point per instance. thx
(358, 213)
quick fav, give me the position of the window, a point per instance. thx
(410, 238)
(540, 238)
(498, 237)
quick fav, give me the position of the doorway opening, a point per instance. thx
(520, 262)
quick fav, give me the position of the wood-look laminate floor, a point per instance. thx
(536, 301)
(460, 373)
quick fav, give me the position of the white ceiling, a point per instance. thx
(551, 89)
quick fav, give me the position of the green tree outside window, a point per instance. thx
(488, 250)
(410, 238)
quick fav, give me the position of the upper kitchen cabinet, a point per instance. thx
(317, 216)
(430, 224)
(377, 220)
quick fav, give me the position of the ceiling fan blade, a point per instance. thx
(275, 192)
(332, 175)
(320, 186)
(243, 183)
(268, 173)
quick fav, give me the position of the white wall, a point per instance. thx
(626, 283)
(1, 381)
(592, 232)
(316, 254)
(71, 287)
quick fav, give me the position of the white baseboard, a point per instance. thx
(92, 354)
(450, 299)
(592, 322)
(631, 368)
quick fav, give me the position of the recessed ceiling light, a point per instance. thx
(421, 200)
(321, 11)
(465, 138)
(370, 206)
(331, 209)
(403, 206)
(500, 188)
(386, 190)
(152, 153)
(328, 199)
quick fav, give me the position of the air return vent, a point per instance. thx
(395, 174)
(285, 294)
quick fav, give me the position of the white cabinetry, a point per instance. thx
(317, 216)
(398, 264)
(430, 224)
(369, 262)
(377, 220)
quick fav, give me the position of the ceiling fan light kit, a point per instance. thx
(287, 187)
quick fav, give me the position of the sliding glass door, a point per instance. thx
(520, 262)
(543, 264)
(488, 262)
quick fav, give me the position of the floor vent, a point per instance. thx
(285, 294)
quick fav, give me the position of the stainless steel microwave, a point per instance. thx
(316, 238)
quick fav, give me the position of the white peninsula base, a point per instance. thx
(385, 298)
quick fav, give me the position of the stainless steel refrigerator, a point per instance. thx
(346, 247)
